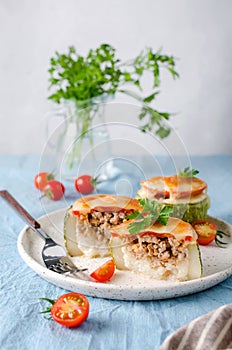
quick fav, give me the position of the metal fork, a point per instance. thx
(54, 255)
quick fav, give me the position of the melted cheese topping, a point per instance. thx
(104, 203)
(176, 227)
(174, 186)
(143, 193)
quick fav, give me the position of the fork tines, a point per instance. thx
(64, 268)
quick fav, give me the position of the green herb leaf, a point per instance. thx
(82, 78)
(163, 132)
(132, 216)
(164, 215)
(150, 97)
(188, 172)
(149, 215)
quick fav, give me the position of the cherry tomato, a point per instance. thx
(206, 231)
(54, 190)
(104, 272)
(41, 180)
(85, 184)
(70, 310)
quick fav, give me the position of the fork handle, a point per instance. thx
(20, 210)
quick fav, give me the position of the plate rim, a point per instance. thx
(98, 290)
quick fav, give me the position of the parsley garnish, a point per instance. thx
(188, 172)
(148, 216)
(100, 72)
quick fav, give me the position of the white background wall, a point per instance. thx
(198, 32)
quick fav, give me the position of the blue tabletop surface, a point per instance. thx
(111, 324)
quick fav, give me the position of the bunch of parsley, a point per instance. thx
(82, 78)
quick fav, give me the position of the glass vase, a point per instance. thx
(80, 140)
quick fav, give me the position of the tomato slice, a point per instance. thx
(206, 231)
(104, 272)
(70, 310)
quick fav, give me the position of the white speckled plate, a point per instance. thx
(217, 266)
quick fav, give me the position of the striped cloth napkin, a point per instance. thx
(212, 331)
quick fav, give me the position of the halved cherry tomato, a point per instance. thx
(104, 272)
(85, 184)
(70, 310)
(206, 231)
(54, 190)
(41, 180)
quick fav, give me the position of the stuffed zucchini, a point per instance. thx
(167, 252)
(88, 222)
(185, 195)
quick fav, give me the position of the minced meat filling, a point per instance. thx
(162, 249)
(105, 220)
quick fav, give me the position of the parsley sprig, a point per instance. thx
(188, 172)
(149, 215)
(82, 78)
